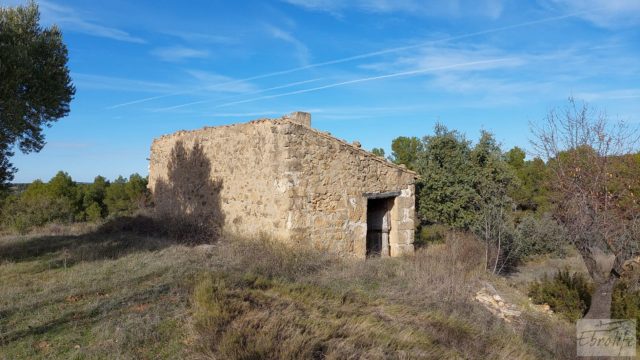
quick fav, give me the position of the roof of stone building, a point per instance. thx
(289, 120)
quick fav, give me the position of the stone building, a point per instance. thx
(283, 178)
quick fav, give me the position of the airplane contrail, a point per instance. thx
(249, 93)
(363, 56)
(372, 78)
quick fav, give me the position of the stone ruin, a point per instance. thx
(282, 178)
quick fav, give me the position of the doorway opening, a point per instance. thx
(378, 226)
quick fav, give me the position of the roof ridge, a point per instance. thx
(284, 118)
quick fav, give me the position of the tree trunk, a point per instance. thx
(601, 299)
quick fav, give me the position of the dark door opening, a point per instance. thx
(378, 226)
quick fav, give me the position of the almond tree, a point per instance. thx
(593, 190)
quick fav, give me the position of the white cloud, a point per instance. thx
(179, 53)
(70, 19)
(213, 82)
(440, 56)
(202, 38)
(451, 8)
(618, 94)
(603, 13)
(100, 82)
(302, 52)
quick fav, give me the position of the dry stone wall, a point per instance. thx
(244, 162)
(281, 178)
(329, 206)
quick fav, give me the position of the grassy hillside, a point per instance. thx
(113, 292)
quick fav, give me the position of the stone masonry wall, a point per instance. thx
(237, 169)
(328, 205)
(281, 178)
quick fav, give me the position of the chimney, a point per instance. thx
(299, 117)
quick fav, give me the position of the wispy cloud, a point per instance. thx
(438, 56)
(197, 81)
(617, 94)
(608, 13)
(301, 50)
(365, 79)
(373, 54)
(179, 53)
(100, 82)
(438, 8)
(72, 20)
(208, 81)
(202, 38)
(293, 84)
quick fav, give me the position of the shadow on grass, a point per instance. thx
(111, 240)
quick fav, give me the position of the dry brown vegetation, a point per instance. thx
(138, 294)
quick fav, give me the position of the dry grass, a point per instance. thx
(538, 268)
(131, 293)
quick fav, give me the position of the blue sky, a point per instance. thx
(366, 70)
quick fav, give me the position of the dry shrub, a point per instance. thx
(272, 301)
(270, 258)
(549, 338)
(450, 270)
(255, 317)
(440, 272)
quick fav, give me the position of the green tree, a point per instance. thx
(494, 179)
(58, 200)
(406, 151)
(515, 158)
(35, 86)
(378, 152)
(446, 190)
(531, 194)
(93, 199)
(124, 197)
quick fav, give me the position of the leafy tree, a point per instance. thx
(42, 203)
(539, 235)
(406, 151)
(493, 181)
(446, 190)
(93, 199)
(124, 197)
(94, 212)
(378, 152)
(137, 191)
(531, 195)
(515, 158)
(116, 198)
(35, 86)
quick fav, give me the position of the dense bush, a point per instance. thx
(430, 234)
(541, 235)
(625, 303)
(62, 200)
(566, 293)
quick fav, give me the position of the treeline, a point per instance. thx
(501, 196)
(62, 200)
